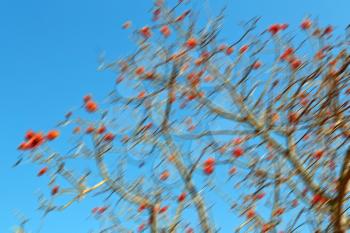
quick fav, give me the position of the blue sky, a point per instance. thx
(48, 60)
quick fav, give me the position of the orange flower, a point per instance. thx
(76, 129)
(165, 175)
(256, 65)
(101, 129)
(90, 129)
(52, 135)
(139, 70)
(141, 95)
(250, 213)
(90, 106)
(23, 146)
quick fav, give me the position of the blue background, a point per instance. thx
(48, 60)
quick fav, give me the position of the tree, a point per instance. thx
(256, 127)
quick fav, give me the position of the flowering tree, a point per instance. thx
(196, 128)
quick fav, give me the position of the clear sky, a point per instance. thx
(48, 60)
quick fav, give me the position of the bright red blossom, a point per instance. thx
(237, 152)
(54, 190)
(108, 137)
(191, 43)
(146, 32)
(181, 197)
(243, 49)
(306, 24)
(42, 171)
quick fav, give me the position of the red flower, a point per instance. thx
(163, 209)
(101, 129)
(318, 154)
(89, 129)
(274, 28)
(139, 70)
(295, 64)
(29, 134)
(208, 169)
(54, 190)
(87, 98)
(42, 171)
(233, 170)
(23, 146)
(181, 197)
(292, 117)
(209, 162)
(256, 65)
(141, 95)
(191, 43)
(278, 212)
(259, 196)
(229, 50)
(306, 24)
(328, 30)
(35, 141)
(142, 207)
(101, 210)
(90, 106)
(243, 49)
(146, 32)
(237, 152)
(286, 54)
(165, 31)
(108, 137)
(318, 199)
(52, 135)
(266, 228)
(250, 213)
